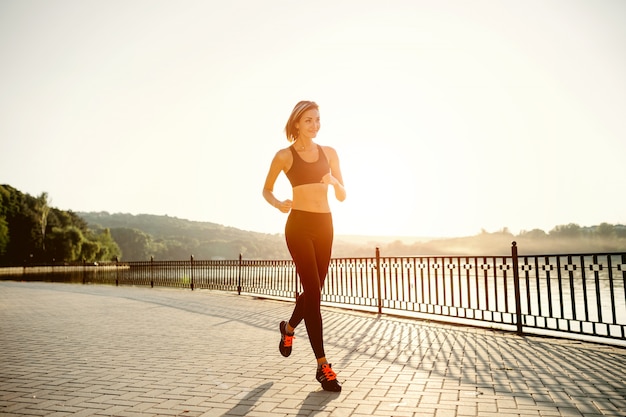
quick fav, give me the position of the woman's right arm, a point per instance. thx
(278, 165)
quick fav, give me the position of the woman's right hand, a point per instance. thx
(284, 206)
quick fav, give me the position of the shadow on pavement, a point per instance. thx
(316, 402)
(245, 405)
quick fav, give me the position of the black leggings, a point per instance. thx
(310, 239)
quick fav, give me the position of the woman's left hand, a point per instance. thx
(328, 179)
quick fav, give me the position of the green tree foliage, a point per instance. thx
(569, 231)
(605, 230)
(534, 234)
(4, 235)
(42, 209)
(133, 243)
(31, 231)
(65, 243)
(100, 246)
(143, 236)
(24, 234)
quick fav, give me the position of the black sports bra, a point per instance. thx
(303, 172)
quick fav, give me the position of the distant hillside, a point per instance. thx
(169, 238)
(162, 226)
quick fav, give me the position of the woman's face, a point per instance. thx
(309, 124)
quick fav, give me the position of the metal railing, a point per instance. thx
(572, 295)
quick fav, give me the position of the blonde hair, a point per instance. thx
(296, 114)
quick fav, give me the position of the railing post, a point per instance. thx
(151, 271)
(239, 276)
(117, 272)
(84, 270)
(378, 279)
(191, 273)
(518, 297)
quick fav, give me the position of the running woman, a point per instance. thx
(311, 169)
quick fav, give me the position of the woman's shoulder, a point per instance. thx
(329, 151)
(284, 154)
(284, 151)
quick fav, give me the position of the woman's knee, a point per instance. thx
(313, 296)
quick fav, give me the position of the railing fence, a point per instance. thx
(571, 295)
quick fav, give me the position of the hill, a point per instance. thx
(169, 238)
(143, 236)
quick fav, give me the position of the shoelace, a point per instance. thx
(329, 374)
(288, 340)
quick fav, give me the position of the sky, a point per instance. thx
(449, 117)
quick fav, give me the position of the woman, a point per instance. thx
(310, 168)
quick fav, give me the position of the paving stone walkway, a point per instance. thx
(95, 350)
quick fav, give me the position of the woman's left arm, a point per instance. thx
(335, 178)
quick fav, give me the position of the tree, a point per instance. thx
(4, 235)
(569, 231)
(66, 244)
(23, 234)
(605, 230)
(108, 249)
(134, 244)
(43, 210)
(534, 234)
(89, 251)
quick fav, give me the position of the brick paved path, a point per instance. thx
(123, 351)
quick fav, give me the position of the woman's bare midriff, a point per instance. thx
(311, 197)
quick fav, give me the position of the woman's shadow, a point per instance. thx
(246, 403)
(315, 402)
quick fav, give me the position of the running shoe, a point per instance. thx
(328, 378)
(286, 340)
